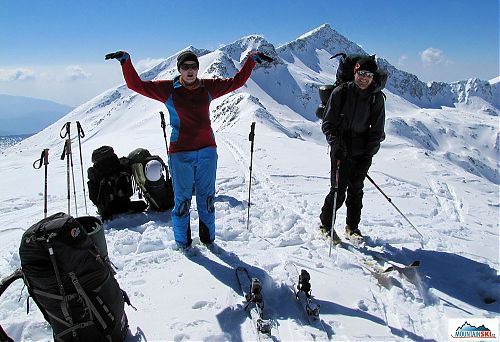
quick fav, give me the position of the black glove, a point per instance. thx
(339, 153)
(122, 56)
(258, 57)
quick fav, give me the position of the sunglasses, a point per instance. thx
(365, 73)
(193, 66)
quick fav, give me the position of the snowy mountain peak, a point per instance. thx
(323, 30)
(239, 49)
(322, 38)
(196, 51)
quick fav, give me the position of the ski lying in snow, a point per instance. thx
(377, 259)
(394, 266)
(371, 262)
(252, 291)
(303, 294)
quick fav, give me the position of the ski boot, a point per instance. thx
(327, 233)
(354, 235)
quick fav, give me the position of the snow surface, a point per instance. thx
(439, 166)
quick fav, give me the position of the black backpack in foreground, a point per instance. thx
(69, 280)
(152, 179)
(109, 182)
(345, 73)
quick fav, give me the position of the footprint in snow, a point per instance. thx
(201, 304)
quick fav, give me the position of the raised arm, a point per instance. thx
(219, 87)
(157, 90)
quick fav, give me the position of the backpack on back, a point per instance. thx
(345, 73)
(69, 280)
(109, 182)
(152, 179)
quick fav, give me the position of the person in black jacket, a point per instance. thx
(354, 127)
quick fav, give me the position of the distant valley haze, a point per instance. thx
(26, 115)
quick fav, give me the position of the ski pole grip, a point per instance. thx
(39, 161)
(162, 117)
(65, 150)
(67, 127)
(251, 136)
(81, 133)
(45, 154)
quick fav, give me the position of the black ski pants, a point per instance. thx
(352, 175)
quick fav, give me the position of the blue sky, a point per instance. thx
(54, 49)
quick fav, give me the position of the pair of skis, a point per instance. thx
(251, 288)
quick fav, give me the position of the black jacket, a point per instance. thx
(355, 120)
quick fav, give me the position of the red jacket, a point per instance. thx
(189, 109)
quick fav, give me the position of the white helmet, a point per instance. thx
(153, 170)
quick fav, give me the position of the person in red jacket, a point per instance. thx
(193, 153)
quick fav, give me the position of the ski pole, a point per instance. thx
(69, 162)
(81, 134)
(390, 201)
(63, 155)
(251, 137)
(44, 159)
(335, 193)
(164, 126)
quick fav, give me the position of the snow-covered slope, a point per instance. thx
(439, 166)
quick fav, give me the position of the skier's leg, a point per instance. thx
(182, 170)
(354, 201)
(205, 175)
(327, 209)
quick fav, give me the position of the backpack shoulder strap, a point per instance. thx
(4, 284)
(374, 99)
(343, 95)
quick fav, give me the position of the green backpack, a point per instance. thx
(155, 185)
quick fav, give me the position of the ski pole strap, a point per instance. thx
(81, 133)
(67, 128)
(44, 159)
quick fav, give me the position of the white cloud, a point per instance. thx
(19, 74)
(402, 60)
(148, 63)
(433, 56)
(75, 72)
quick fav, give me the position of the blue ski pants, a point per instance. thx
(199, 168)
